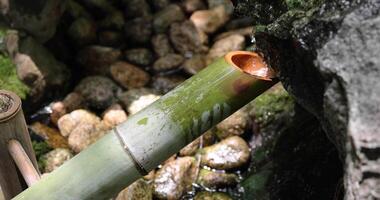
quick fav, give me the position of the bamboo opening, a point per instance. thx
(9, 105)
(250, 63)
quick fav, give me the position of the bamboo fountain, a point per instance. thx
(149, 137)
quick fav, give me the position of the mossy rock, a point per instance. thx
(8, 78)
(40, 149)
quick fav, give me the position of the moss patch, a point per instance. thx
(271, 104)
(8, 78)
(40, 149)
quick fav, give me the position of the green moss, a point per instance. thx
(8, 78)
(268, 106)
(40, 149)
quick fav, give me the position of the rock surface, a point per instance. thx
(174, 178)
(128, 75)
(56, 158)
(215, 179)
(230, 153)
(139, 190)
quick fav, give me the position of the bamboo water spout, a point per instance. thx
(157, 132)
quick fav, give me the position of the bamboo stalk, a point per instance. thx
(12, 126)
(24, 164)
(154, 134)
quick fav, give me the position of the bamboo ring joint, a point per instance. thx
(10, 104)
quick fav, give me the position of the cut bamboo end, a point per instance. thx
(250, 63)
(10, 104)
(24, 164)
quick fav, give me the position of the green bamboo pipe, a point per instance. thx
(157, 132)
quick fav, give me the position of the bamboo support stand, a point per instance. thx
(15, 148)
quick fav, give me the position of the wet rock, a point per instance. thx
(128, 75)
(38, 18)
(204, 195)
(114, 116)
(194, 64)
(114, 20)
(99, 7)
(160, 4)
(163, 84)
(221, 47)
(139, 56)
(211, 20)
(246, 32)
(216, 179)
(98, 91)
(96, 60)
(186, 38)
(191, 149)
(76, 10)
(55, 73)
(175, 178)
(229, 153)
(86, 134)
(139, 30)
(193, 5)
(161, 45)
(55, 159)
(137, 8)
(82, 31)
(164, 18)
(137, 99)
(72, 101)
(234, 125)
(110, 38)
(139, 190)
(30, 75)
(69, 122)
(51, 136)
(168, 62)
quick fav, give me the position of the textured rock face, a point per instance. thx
(327, 55)
(39, 18)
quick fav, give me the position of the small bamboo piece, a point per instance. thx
(12, 126)
(25, 166)
(154, 134)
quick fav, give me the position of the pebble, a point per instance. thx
(69, 122)
(163, 84)
(227, 4)
(114, 116)
(110, 38)
(96, 60)
(113, 21)
(139, 30)
(137, 8)
(193, 5)
(168, 62)
(128, 75)
(139, 190)
(234, 125)
(210, 20)
(82, 31)
(137, 99)
(161, 45)
(139, 56)
(175, 178)
(167, 16)
(84, 134)
(72, 101)
(223, 46)
(56, 158)
(216, 179)
(186, 38)
(246, 32)
(98, 91)
(229, 153)
(28, 73)
(194, 64)
(160, 4)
